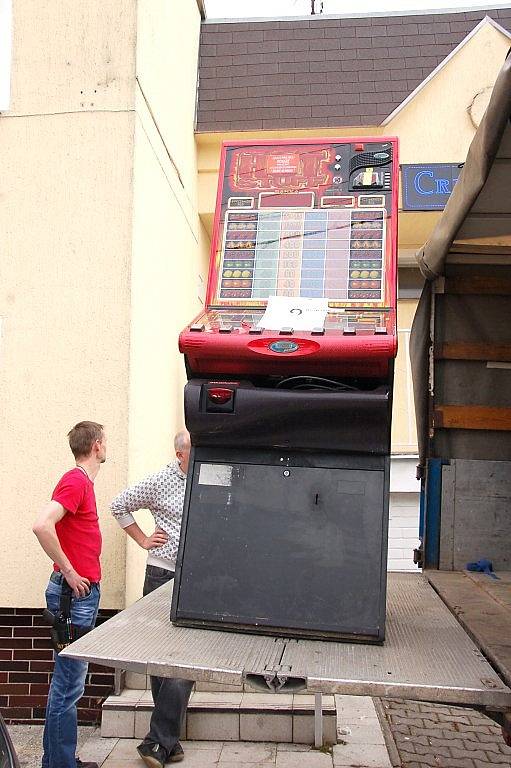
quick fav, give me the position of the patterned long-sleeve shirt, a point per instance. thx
(163, 495)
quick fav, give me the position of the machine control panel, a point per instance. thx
(312, 219)
(338, 322)
(308, 219)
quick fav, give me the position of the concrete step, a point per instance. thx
(226, 716)
(136, 681)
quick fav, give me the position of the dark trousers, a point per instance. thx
(170, 695)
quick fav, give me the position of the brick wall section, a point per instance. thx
(26, 664)
(321, 72)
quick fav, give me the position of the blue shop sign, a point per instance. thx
(428, 187)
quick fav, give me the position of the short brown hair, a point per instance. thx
(83, 436)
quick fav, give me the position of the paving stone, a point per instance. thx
(209, 745)
(243, 764)
(96, 749)
(402, 729)
(495, 760)
(461, 719)
(408, 752)
(442, 751)
(354, 706)
(293, 747)
(473, 728)
(451, 737)
(474, 754)
(425, 760)
(490, 746)
(126, 762)
(370, 756)
(452, 740)
(302, 760)
(250, 753)
(369, 733)
(198, 758)
(124, 748)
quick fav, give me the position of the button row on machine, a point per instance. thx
(380, 330)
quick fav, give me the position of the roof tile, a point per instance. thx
(250, 36)
(294, 45)
(325, 44)
(357, 66)
(223, 35)
(232, 49)
(322, 71)
(340, 33)
(403, 29)
(268, 46)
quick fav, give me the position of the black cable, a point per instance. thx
(315, 382)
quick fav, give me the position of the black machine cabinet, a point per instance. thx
(280, 535)
(255, 416)
(284, 543)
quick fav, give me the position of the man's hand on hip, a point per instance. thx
(79, 584)
(156, 539)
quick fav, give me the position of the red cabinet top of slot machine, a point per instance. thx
(307, 218)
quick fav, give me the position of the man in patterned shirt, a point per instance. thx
(163, 495)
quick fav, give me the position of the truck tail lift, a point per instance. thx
(448, 631)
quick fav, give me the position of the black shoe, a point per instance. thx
(81, 764)
(177, 754)
(153, 755)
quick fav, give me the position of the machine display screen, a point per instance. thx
(312, 220)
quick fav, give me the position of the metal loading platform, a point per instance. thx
(426, 656)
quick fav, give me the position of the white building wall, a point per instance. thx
(403, 514)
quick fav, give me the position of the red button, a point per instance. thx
(220, 395)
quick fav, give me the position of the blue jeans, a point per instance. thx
(67, 683)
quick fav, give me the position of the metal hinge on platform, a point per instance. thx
(280, 680)
(278, 677)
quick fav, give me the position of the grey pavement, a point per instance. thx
(120, 753)
(436, 736)
(114, 753)
(417, 735)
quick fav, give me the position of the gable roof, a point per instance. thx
(323, 71)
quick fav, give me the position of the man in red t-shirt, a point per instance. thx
(68, 531)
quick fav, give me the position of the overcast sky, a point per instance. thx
(222, 9)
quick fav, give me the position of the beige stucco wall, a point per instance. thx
(66, 193)
(404, 433)
(435, 126)
(170, 248)
(102, 251)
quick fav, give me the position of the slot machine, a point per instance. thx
(286, 510)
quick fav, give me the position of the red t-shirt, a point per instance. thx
(78, 531)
